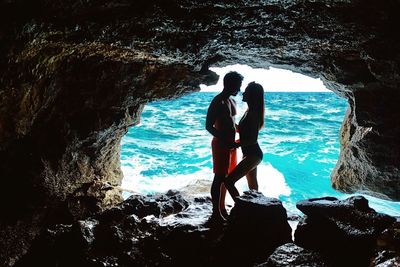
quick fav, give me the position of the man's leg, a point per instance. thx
(221, 159)
(216, 193)
(232, 165)
(222, 196)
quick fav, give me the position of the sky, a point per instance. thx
(272, 79)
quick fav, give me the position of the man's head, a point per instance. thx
(232, 82)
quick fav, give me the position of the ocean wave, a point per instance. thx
(170, 148)
(271, 182)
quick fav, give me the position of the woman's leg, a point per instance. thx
(246, 165)
(252, 179)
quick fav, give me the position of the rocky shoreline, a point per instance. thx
(169, 230)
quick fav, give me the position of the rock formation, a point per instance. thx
(76, 74)
(291, 255)
(257, 226)
(137, 232)
(345, 232)
(170, 230)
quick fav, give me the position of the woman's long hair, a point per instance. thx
(255, 96)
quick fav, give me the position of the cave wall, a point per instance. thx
(76, 74)
(69, 114)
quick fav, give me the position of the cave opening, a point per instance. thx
(170, 148)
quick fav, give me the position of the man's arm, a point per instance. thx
(211, 119)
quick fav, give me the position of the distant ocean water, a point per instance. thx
(170, 148)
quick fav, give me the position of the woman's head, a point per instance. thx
(254, 96)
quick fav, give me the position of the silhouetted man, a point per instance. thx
(220, 123)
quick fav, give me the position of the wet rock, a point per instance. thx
(352, 212)
(16, 238)
(170, 203)
(59, 245)
(185, 243)
(386, 259)
(86, 231)
(151, 233)
(257, 225)
(345, 231)
(291, 255)
(117, 237)
(389, 239)
(388, 247)
(159, 205)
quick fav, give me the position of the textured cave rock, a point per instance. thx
(257, 225)
(291, 255)
(156, 232)
(74, 106)
(346, 232)
(76, 74)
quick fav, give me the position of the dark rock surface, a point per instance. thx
(121, 235)
(389, 239)
(170, 230)
(388, 247)
(386, 259)
(146, 236)
(344, 231)
(291, 255)
(257, 226)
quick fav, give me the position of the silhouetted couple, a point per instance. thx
(221, 124)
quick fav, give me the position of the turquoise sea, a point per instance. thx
(170, 148)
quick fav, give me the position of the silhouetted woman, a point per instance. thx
(249, 126)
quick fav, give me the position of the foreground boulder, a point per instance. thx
(344, 231)
(257, 226)
(291, 255)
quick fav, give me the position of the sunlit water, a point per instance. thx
(170, 148)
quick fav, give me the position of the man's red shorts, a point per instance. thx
(224, 159)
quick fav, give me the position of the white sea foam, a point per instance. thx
(333, 110)
(305, 117)
(280, 152)
(325, 160)
(302, 157)
(294, 139)
(199, 181)
(328, 149)
(271, 182)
